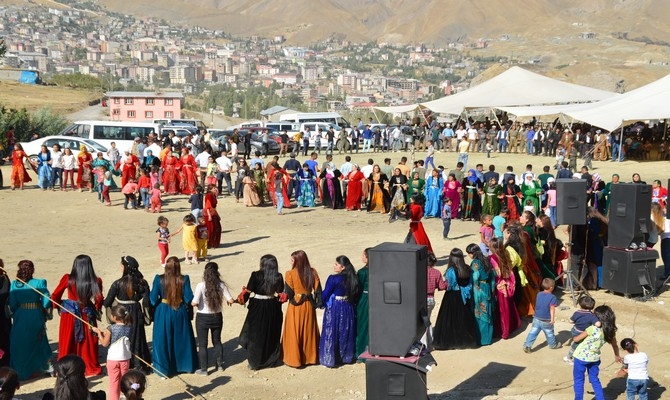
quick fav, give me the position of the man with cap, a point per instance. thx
(291, 166)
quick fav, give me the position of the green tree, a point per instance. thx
(3, 48)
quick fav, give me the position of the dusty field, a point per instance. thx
(33, 97)
(52, 228)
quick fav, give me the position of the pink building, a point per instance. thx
(144, 106)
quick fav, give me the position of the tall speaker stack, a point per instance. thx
(397, 321)
(628, 266)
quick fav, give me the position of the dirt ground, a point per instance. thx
(52, 228)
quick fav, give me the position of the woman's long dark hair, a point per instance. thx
(9, 383)
(132, 277)
(608, 320)
(504, 261)
(26, 271)
(477, 254)
(84, 279)
(457, 261)
(213, 282)
(531, 222)
(301, 263)
(350, 279)
(71, 384)
(514, 239)
(173, 282)
(271, 280)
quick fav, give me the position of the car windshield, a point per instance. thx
(97, 146)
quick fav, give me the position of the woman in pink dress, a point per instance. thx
(451, 190)
(189, 170)
(509, 320)
(170, 175)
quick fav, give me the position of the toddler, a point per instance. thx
(446, 218)
(635, 365)
(196, 201)
(529, 206)
(133, 385)
(144, 185)
(188, 238)
(212, 169)
(163, 236)
(202, 236)
(156, 203)
(581, 319)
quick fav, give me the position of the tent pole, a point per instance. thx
(375, 114)
(620, 144)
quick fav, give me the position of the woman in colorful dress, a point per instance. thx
(305, 190)
(188, 176)
(505, 286)
(596, 194)
(355, 189)
(398, 186)
(30, 308)
(531, 190)
(529, 224)
(5, 317)
(261, 332)
(472, 202)
(85, 173)
(173, 346)
(300, 343)
(259, 179)
(84, 299)
(452, 190)
(331, 188)
(19, 174)
(483, 279)
(44, 170)
(362, 320)
(525, 275)
(378, 198)
(415, 185)
(212, 218)
(170, 165)
(128, 165)
(337, 345)
(417, 234)
(433, 195)
(512, 199)
(251, 197)
(243, 171)
(493, 196)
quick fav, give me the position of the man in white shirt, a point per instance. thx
(233, 148)
(345, 169)
(224, 167)
(153, 146)
(367, 170)
(472, 137)
(202, 160)
(56, 166)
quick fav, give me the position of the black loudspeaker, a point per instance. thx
(571, 201)
(397, 295)
(394, 380)
(629, 214)
(629, 271)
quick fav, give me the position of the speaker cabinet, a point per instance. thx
(389, 380)
(629, 214)
(571, 201)
(627, 271)
(397, 296)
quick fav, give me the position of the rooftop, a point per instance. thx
(159, 95)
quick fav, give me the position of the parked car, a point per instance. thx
(324, 126)
(73, 143)
(256, 141)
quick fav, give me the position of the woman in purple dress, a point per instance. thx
(452, 190)
(338, 336)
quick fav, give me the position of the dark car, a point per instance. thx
(256, 141)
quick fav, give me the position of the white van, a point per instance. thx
(328, 117)
(196, 123)
(105, 132)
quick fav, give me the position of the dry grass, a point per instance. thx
(34, 97)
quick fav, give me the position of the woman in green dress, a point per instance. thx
(362, 307)
(415, 185)
(482, 283)
(531, 190)
(529, 224)
(259, 178)
(493, 195)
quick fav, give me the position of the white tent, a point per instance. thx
(516, 87)
(398, 109)
(552, 110)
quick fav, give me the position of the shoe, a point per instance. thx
(526, 349)
(201, 372)
(556, 345)
(568, 360)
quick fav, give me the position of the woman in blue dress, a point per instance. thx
(433, 193)
(29, 344)
(173, 340)
(44, 170)
(305, 189)
(338, 335)
(483, 279)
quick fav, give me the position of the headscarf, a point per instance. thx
(595, 177)
(472, 176)
(83, 149)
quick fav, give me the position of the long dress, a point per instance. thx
(170, 175)
(251, 198)
(304, 193)
(5, 320)
(492, 202)
(133, 303)
(213, 225)
(44, 170)
(512, 201)
(128, 165)
(261, 332)
(531, 191)
(338, 333)
(362, 321)
(433, 193)
(378, 198)
(300, 342)
(19, 173)
(472, 207)
(272, 187)
(482, 285)
(73, 336)
(173, 346)
(188, 178)
(355, 190)
(331, 189)
(451, 191)
(85, 174)
(416, 233)
(524, 298)
(415, 186)
(545, 270)
(259, 178)
(508, 314)
(455, 327)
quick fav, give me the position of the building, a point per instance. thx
(143, 106)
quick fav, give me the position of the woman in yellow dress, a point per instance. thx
(379, 199)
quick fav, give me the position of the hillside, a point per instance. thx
(33, 97)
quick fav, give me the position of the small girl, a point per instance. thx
(163, 236)
(133, 385)
(99, 173)
(156, 202)
(69, 164)
(202, 236)
(486, 234)
(9, 383)
(279, 192)
(196, 201)
(129, 192)
(529, 206)
(144, 185)
(551, 201)
(71, 381)
(116, 337)
(154, 176)
(635, 365)
(106, 184)
(212, 169)
(188, 239)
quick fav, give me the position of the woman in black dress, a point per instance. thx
(261, 332)
(132, 290)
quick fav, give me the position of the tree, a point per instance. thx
(3, 48)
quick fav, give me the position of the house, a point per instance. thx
(141, 106)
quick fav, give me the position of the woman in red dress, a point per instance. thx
(416, 232)
(170, 175)
(272, 168)
(128, 165)
(189, 170)
(355, 189)
(212, 218)
(85, 174)
(84, 299)
(19, 174)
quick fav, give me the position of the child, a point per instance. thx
(529, 206)
(133, 385)
(560, 156)
(202, 234)
(100, 177)
(581, 319)
(144, 185)
(587, 355)
(543, 320)
(489, 148)
(635, 365)
(486, 234)
(71, 382)
(116, 337)
(129, 191)
(196, 200)
(212, 169)
(446, 218)
(106, 184)
(188, 239)
(154, 176)
(435, 282)
(551, 201)
(163, 236)
(499, 223)
(9, 383)
(279, 192)
(430, 157)
(113, 153)
(156, 203)
(573, 159)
